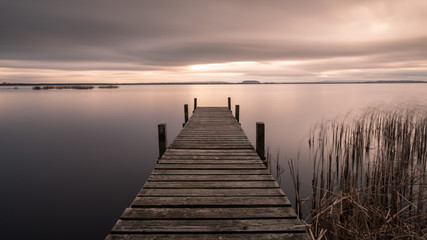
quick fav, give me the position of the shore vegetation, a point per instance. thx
(369, 176)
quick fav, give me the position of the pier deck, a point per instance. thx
(210, 184)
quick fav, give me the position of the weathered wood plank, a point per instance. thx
(210, 166)
(213, 236)
(210, 177)
(209, 157)
(178, 151)
(210, 172)
(216, 161)
(210, 184)
(204, 137)
(208, 226)
(208, 213)
(265, 192)
(212, 142)
(209, 201)
(210, 146)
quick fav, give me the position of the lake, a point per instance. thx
(72, 160)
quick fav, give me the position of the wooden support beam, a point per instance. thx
(162, 138)
(185, 114)
(237, 113)
(195, 104)
(229, 103)
(260, 140)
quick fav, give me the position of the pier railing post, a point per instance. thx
(260, 140)
(237, 113)
(185, 114)
(162, 138)
(195, 104)
(229, 103)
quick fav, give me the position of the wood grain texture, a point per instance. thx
(209, 171)
(207, 226)
(245, 201)
(209, 177)
(211, 166)
(211, 192)
(207, 213)
(210, 184)
(212, 236)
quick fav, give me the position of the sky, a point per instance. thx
(139, 41)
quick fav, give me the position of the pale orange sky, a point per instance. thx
(226, 40)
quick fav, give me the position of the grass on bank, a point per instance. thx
(369, 177)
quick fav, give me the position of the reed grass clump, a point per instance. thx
(369, 176)
(108, 86)
(78, 87)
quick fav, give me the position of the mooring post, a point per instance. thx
(260, 141)
(162, 138)
(237, 113)
(185, 114)
(229, 103)
(195, 104)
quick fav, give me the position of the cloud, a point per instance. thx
(161, 38)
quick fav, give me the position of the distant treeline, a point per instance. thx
(78, 87)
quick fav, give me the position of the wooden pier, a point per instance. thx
(210, 183)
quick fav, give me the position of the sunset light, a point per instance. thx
(149, 42)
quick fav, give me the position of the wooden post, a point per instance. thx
(237, 113)
(185, 114)
(229, 103)
(260, 140)
(195, 104)
(162, 138)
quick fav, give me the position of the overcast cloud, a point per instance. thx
(222, 40)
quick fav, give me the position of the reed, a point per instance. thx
(108, 86)
(369, 176)
(78, 87)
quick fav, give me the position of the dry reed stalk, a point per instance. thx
(369, 176)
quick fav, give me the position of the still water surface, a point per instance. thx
(72, 160)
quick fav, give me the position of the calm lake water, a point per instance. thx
(72, 160)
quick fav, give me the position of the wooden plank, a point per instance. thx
(211, 192)
(214, 132)
(178, 151)
(212, 141)
(208, 226)
(216, 156)
(204, 137)
(210, 177)
(210, 184)
(216, 161)
(210, 146)
(210, 166)
(210, 157)
(215, 129)
(208, 152)
(208, 213)
(220, 132)
(210, 172)
(213, 236)
(210, 201)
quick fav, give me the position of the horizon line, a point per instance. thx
(246, 82)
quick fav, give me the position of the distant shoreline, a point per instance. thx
(209, 83)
